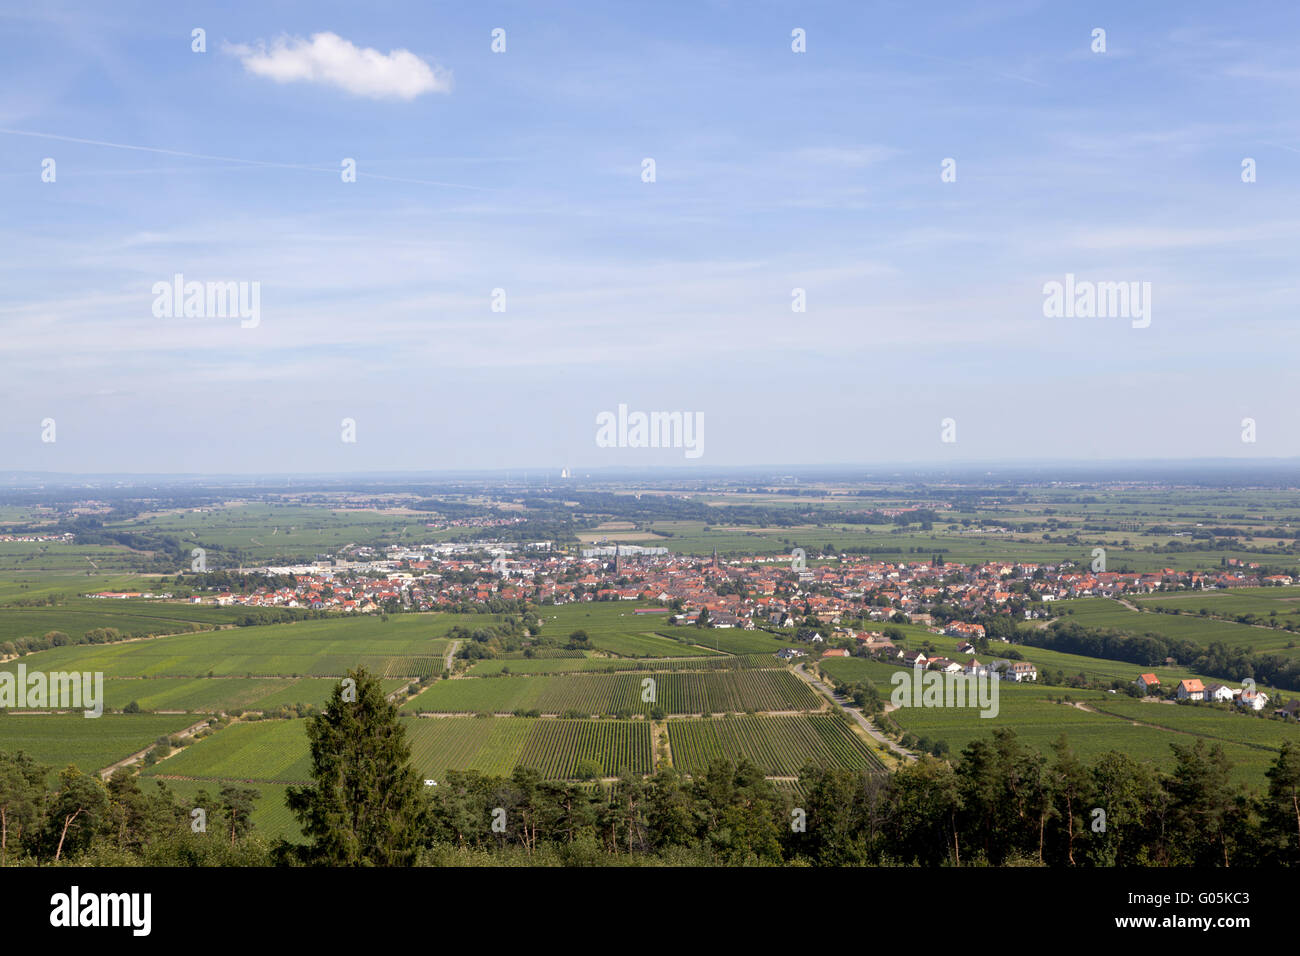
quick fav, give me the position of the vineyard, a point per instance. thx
(490, 745)
(91, 744)
(405, 646)
(270, 750)
(616, 665)
(557, 747)
(675, 692)
(554, 748)
(780, 746)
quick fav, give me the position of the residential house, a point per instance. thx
(1020, 671)
(1252, 699)
(1218, 693)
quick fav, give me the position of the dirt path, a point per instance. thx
(135, 757)
(658, 736)
(855, 715)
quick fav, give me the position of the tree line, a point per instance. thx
(996, 803)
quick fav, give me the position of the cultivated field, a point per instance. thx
(92, 744)
(675, 692)
(780, 746)
(404, 646)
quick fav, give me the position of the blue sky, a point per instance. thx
(521, 170)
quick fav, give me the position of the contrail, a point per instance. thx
(231, 159)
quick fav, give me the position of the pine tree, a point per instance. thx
(364, 809)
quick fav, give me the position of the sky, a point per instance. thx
(500, 272)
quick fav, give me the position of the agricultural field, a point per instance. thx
(406, 645)
(1282, 602)
(780, 746)
(1103, 612)
(490, 745)
(92, 744)
(559, 748)
(75, 616)
(192, 694)
(676, 692)
(276, 751)
(261, 750)
(1038, 720)
(211, 695)
(1216, 722)
(642, 645)
(260, 533)
(489, 668)
(615, 628)
(725, 640)
(271, 818)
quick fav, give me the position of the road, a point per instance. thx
(854, 715)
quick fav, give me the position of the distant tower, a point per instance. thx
(564, 474)
(618, 559)
(715, 557)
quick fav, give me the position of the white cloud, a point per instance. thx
(329, 59)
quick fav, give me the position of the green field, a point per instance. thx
(407, 645)
(675, 692)
(1103, 612)
(642, 645)
(271, 818)
(263, 750)
(92, 744)
(780, 746)
(276, 750)
(1038, 720)
(614, 665)
(133, 618)
(727, 640)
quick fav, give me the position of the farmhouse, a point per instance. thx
(1190, 689)
(1147, 683)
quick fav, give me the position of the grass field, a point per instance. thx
(780, 746)
(92, 744)
(407, 645)
(675, 692)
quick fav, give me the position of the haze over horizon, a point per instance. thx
(523, 171)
